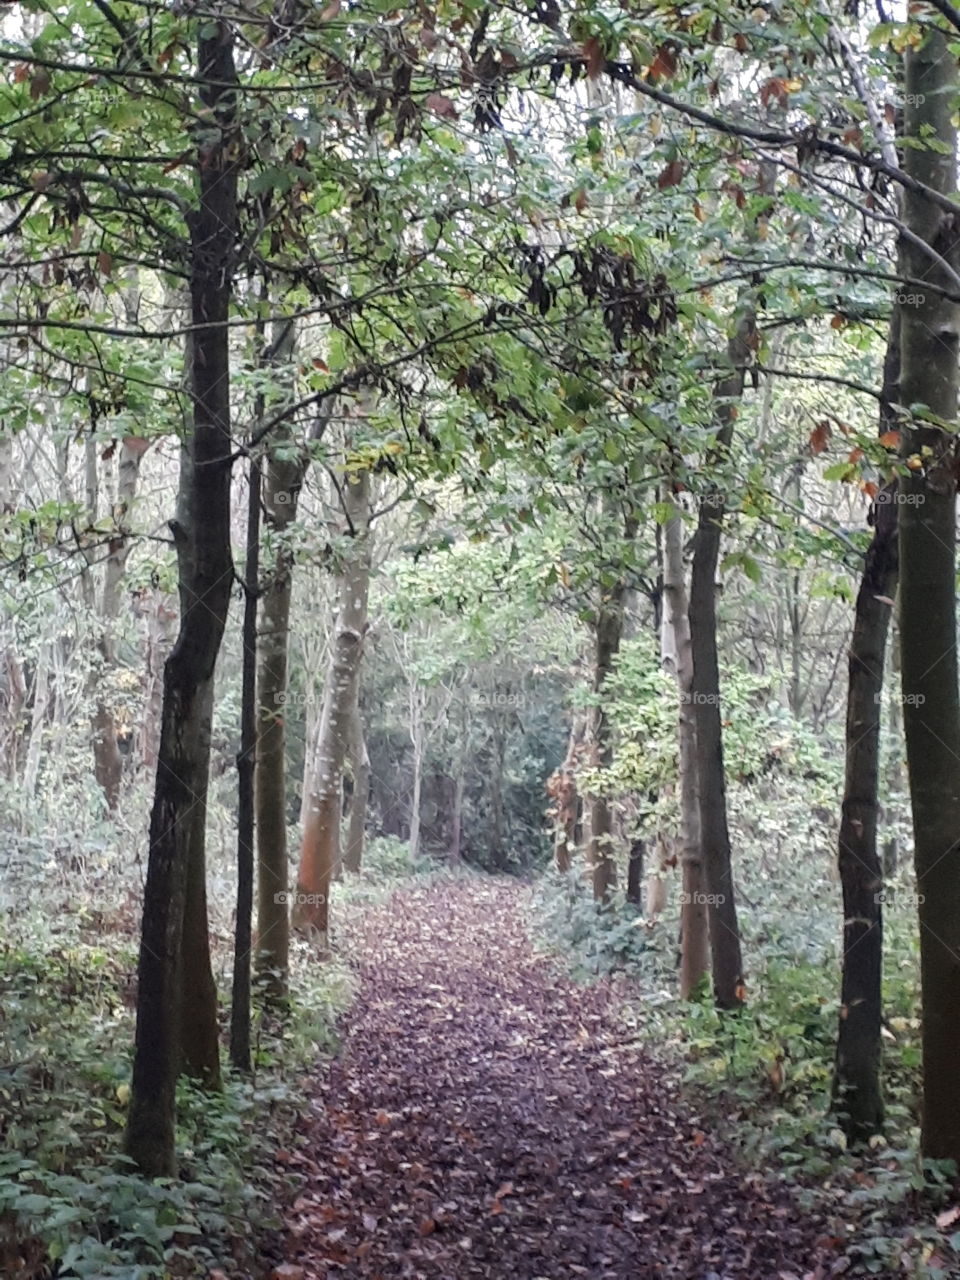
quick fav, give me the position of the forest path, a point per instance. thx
(487, 1117)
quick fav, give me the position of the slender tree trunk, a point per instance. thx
(246, 766)
(563, 791)
(635, 872)
(928, 638)
(107, 759)
(497, 837)
(456, 826)
(40, 691)
(856, 1083)
(357, 817)
(107, 762)
(202, 533)
(283, 479)
(600, 854)
(199, 1030)
(694, 928)
(417, 731)
(159, 615)
(655, 890)
(320, 850)
(714, 832)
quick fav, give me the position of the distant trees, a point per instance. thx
(552, 334)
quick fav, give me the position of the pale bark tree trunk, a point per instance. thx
(857, 1097)
(928, 637)
(600, 853)
(14, 713)
(562, 789)
(40, 702)
(417, 731)
(498, 846)
(694, 928)
(655, 889)
(202, 533)
(357, 817)
(456, 826)
(320, 849)
(107, 758)
(106, 750)
(158, 614)
(246, 767)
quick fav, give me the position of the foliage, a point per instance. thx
(65, 1194)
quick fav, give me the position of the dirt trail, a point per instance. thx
(487, 1118)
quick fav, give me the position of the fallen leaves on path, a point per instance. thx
(486, 1118)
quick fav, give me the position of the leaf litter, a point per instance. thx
(486, 1119)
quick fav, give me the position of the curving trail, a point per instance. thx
(485, 1119)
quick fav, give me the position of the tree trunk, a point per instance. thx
(40, 697)
(456, 826)
(856, 1083)
(714, 833)
(497, 839)
(199, 1031)
(202, 533)
(928, 638)
(655, 893)
(694, 929)
(357, 817)
(416, 730)
(600, 854)
(635, 872)
(158, 613)
(246, 767)
(320, 849)
(107, 759)
(563, 791)
(283, 480)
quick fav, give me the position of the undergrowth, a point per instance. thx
(762, 1077)
(71, 1205)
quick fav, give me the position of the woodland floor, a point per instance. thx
(488, 1117)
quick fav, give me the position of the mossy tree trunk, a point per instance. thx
(928, 639)
(857, 1097)
(202, 534)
